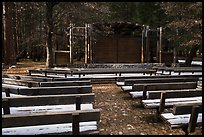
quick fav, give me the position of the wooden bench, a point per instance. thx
(93, 71)
(42, 112)
(121, 80)
(45, 72)
(184, 116)
(161, 80)
(178, 70)
(23, 90)
(161, 100)
(32, 83)
(192, 70)
(42, 78)
(143, 88)
(115, 71)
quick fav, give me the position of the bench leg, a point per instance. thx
(190, 127)
(193, 119)
(75, 124)
(185, 129)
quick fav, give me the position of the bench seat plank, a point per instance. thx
(155, 103)
(155, 94)
(120, 83)
(47, 90)
(126, 88)
(16, 120)
(49, 129)
(48, 108)
(136, 94)
(160, 80)
(170, 104)
(178, 120)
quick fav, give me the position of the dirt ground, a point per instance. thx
(120, 114)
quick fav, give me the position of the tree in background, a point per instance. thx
(50, 27)
(9, 35)
(32, 26)
(151, 14)
(122, 11)
(185, 26)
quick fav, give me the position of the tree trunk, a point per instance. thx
(49, 9)
(2, 28)
(190, 56)
(14, 32)
(9, 50)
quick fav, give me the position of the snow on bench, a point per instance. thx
(154, 103)
(185, 116)
(61, 116)
(51, 128)
(178, 120)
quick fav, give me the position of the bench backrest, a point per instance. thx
(47, 90)
(34, 119)
(165, 86)
(45, 84)
(161, 80)
(44, 100)
(123, 78)
(175, 93)
(185, 108)
(39, 78)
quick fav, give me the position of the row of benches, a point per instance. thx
(40, 85)
(166, 92)
(84, 72)
(65, 107)
(177, 70)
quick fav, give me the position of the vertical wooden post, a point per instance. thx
(147, 44)
(78, 102)
(29, 72)
(86, 43)
(7, 91)
(174, 51)
(144, 96)
(90, 36)
(45, 74)
(75, 124)
(193, 119)
(162, 102)
(142, 48)
(160, 44)
(70, 43)
(6, 106)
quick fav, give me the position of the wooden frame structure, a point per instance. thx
(88, 33)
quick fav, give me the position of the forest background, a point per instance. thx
(30, 24)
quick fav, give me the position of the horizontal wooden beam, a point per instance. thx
(49, 118)
(165, 86)
(29, 83)
(161, 80)
(174, 93)
(20, 82)
(93, 71)
(48, 100)
(180, 109)
(48, 90)
(132, 78)
(65, 83)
